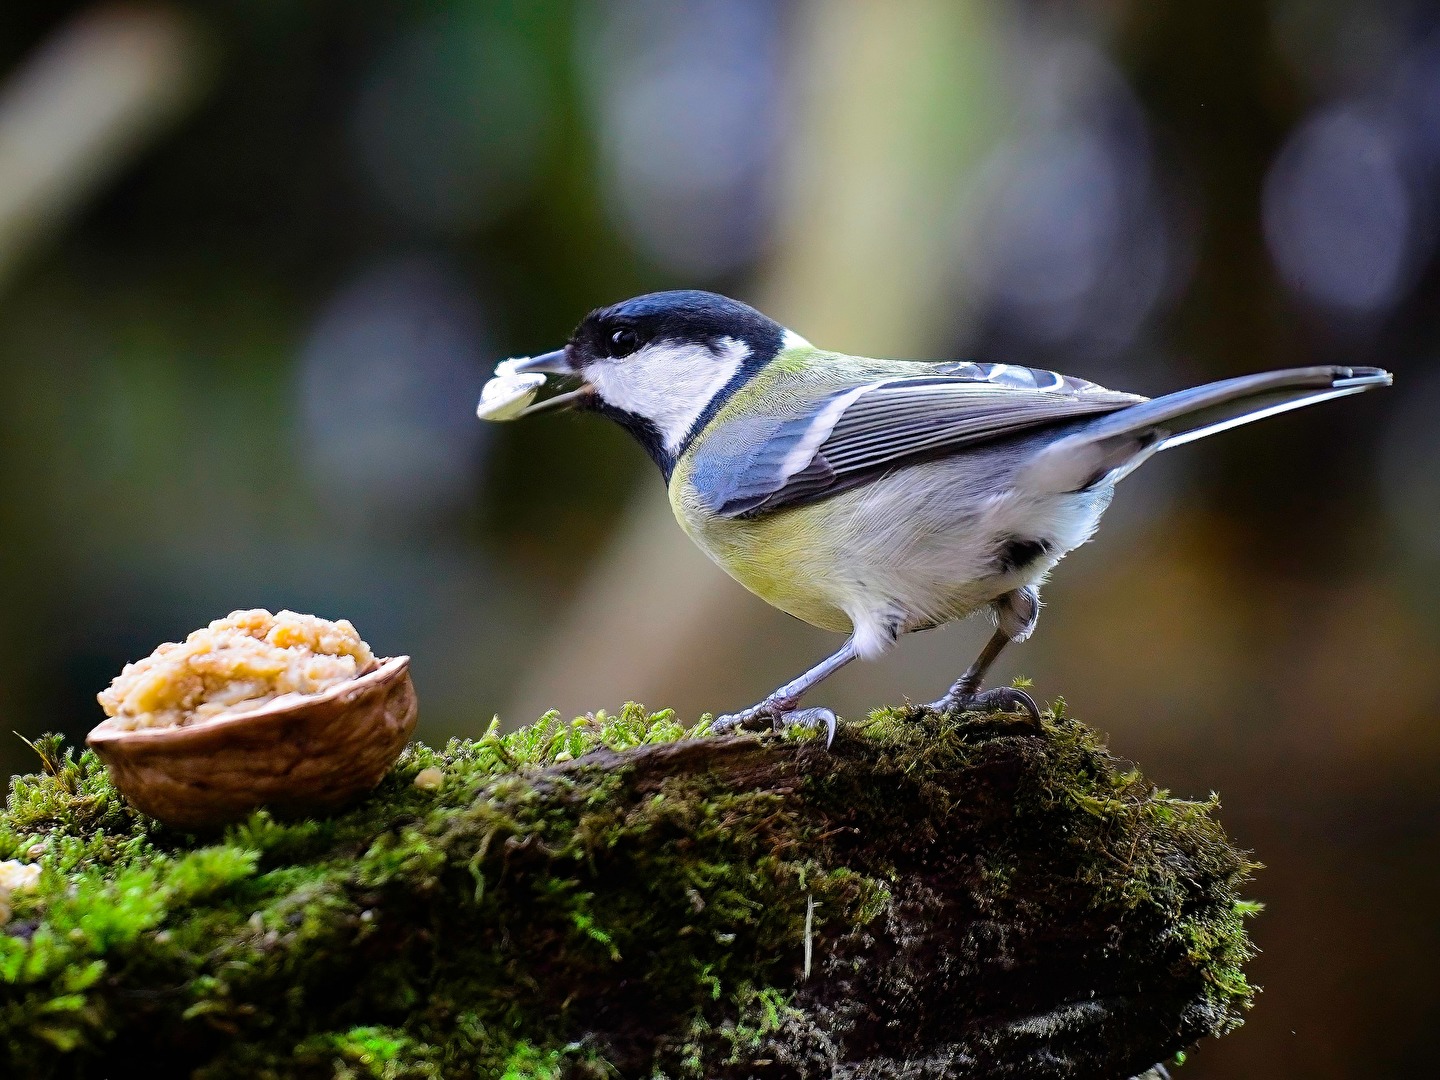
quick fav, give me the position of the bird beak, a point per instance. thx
(551, 363)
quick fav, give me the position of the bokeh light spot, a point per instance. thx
(387, 384)
(1338, 213)
(689, 103)
(1074, 245)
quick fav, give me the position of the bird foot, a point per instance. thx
(997, 699)
(779, 714)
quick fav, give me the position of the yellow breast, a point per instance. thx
(788, 559)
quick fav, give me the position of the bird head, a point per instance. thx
(662, 364)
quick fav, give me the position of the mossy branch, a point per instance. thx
(613, 897)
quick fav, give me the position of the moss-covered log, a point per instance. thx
(932, 897)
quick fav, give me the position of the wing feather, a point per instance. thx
(855, 434)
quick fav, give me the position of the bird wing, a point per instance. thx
(853, 434)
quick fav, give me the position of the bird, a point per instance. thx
(877, 498)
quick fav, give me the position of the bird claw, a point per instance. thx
(780, 715)
(996, 699)
(813, 719)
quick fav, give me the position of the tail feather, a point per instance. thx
(1110, 447)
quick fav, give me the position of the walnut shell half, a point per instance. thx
(303, 756)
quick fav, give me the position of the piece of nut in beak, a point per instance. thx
(507, 395)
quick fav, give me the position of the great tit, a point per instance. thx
(876, 498)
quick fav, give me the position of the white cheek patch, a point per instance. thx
(668, 383)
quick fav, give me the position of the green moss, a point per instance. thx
(600, 898)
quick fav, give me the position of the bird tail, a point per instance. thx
(1110, 447)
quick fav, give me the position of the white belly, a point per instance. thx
(920, 553)
(912, 550)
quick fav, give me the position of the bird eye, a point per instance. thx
(623, 342)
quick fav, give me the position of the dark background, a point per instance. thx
(257, 258)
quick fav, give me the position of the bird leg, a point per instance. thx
(779, 709)
(1016, 613)
(966, 695)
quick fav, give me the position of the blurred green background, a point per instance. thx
(258, 256)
